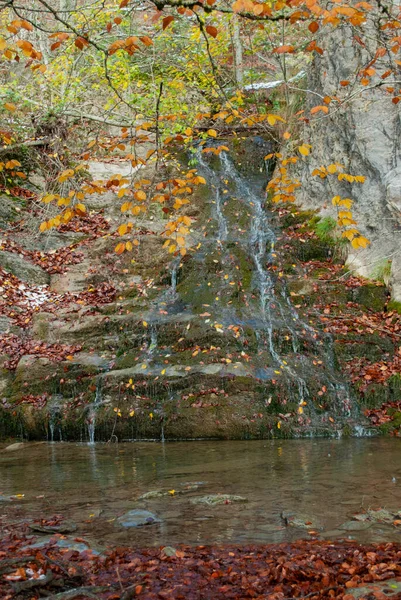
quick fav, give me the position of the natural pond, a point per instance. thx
(317, 485)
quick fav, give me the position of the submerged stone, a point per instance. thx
(157, 494)
(379, 515)
(355, 526)
(300, 521)
(185, 488)
(62, 543)
(391, 588)
(169, 551)
(137, 518)
(64, 527)
(215, 499)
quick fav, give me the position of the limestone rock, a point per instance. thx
(364, 137)
(9, 210)
(23, 269)
(76, 279)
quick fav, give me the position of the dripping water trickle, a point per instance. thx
(94, 407)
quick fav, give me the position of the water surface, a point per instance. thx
(327, 480)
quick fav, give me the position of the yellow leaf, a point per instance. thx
(48, 198)
(132, 412)
(271, 119)
(80, 208)
(140, 195)
(119, 249)
(304, 150)
(144, 323)
(332, 168)
(122, 230)
(279, 425)
(347, 202)
(212, 133)
(9, 106)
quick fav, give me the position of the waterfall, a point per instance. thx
(51, 426)
(276, 312)
(172, 292)
(219, 214)
(94, 407)
(55, 418)
(153, 340)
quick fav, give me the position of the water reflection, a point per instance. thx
(327, 480)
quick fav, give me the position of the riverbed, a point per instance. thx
(323, 483)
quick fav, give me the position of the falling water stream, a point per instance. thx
(276, 312)
(93, 408)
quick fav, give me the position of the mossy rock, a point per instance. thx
(311, 249)
(370, 346)
(395, 306)
(371, 296)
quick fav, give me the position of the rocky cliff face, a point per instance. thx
(363, 134)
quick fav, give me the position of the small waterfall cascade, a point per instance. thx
(224, 326)
(172, 291)
(55, 417)
(270, 312)
(152, 346)
(93, 408)
(51, 425)
(217, 190)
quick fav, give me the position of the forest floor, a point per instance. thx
(303, 569)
